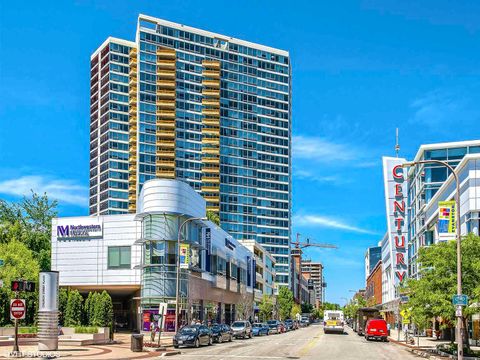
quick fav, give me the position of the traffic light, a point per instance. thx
(18, 285)
(29, 286)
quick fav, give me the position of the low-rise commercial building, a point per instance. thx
(134, 258)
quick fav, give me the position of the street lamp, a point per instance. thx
(459, 247)
(177, 288)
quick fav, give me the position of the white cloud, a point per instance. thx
(326, 222)
(62, 190)
(307, 175)
(320, 149)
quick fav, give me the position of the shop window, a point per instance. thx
(119, 257)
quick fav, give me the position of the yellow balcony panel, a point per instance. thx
(211, 151)
(165, 134)
(165, 154)
(210, 102)
(165, 174)
(165, 144)
(212, 141)
(211, 112)
(132, 187)
(214, 84)
(132, 171)
(165, 113)
(211, 74)
(206, 160)
(163, 123)
(211, 181)
(211, 92)
(166, 53)
(165, 84)
(210, 171)
(212, 199)
(209, 132)
(211, 64)
(166, 74)
(166, 104)
(210, 188)
(166, 94)
(165, 164)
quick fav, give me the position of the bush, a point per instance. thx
(86, 330)
(27, 330)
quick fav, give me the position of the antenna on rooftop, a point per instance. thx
(397, 145)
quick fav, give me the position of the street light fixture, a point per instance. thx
(459, 247)
(177, 288)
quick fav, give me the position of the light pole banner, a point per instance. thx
(184, 256)
(446, 220)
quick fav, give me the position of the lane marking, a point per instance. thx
(313, 341)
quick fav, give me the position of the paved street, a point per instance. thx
(308, 343)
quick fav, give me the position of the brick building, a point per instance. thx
(373, 290)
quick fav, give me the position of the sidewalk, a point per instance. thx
(422, 341)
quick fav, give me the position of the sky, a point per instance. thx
(360, 70)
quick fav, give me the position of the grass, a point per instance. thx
(27, 330)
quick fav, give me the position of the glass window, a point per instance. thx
(436, 154)
(435, 174)
(456, 153)
(474, 150)
(119, 257)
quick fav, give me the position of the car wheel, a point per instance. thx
(197, 343)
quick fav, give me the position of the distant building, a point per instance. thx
(372, 256)
(373, 288)
(313, 271)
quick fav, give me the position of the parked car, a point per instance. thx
(289, 325)
(193, 335)
(274, 326)
(260, 329)
(376, 329)
(221, 333)
(242, 329)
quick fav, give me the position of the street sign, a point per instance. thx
(406, 321)
(461, 300)
(17, 309)
(458, 311)
(404, 298)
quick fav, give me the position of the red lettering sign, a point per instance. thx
(400, 259)
(398, 190)
(396, 173)
(400, 275)
(400, 242)
(399, 222)
(399, 206)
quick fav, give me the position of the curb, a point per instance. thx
(171, 353)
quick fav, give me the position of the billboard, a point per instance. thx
(395, 180)
(446, 220)
(184, 256)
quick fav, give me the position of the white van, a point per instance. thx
(333, 321)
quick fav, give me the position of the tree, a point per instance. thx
(73, 311)
(296, 309)
(62, 305)
(213, 217)
(285, 302)
(244, 308)
(266, 307)
(19, 263)
(431, 295)
(306, 308)
(102, 310)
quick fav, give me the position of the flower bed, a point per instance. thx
(451, 349)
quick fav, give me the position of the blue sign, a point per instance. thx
(461, 300)
(229, 244)
(208, 246)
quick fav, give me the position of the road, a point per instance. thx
(307, 344)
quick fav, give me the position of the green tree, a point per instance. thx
(102, 310)
(296, 309)
(19, 263)
(213, 217)
(266, 307)
(62, 305)
(285, 302)
(307, 308)
(431, 294)
(73, 311)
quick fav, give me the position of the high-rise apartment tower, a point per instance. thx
(205, 108)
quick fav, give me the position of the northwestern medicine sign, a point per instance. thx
(91, 229)
(395, 196)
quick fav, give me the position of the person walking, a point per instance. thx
(153, 329)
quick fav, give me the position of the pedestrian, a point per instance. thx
(152, 331)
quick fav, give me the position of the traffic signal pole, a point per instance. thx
(15, 342)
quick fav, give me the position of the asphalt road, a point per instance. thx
(307, 343)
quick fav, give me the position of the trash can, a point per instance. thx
(136, 343)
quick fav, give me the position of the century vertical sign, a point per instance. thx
(395, 196)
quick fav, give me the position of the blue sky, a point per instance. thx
(360, 69)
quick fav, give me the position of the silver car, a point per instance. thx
(242, 329)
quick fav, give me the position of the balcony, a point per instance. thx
(210, 189)
(165, 144)
(166, 74)
(166, 104)
(165, 173)
(166, 94)
(165, 154)
(211, 64)
(211, 74)
(166, 54)
(165, 164)
(210, 102)
(211, 92)
(164, 83)
(211, 112)
(215, 84)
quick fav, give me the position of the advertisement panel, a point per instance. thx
(395, 180)
(446, 220)
(184, 256)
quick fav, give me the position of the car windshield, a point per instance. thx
(238, 324)
(188, 330)
(257, 325)
(272, 322)
(216, 328)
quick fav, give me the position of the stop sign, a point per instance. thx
(17, 309)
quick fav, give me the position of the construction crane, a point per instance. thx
(301, 245)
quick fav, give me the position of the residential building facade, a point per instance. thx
(211, 110)
(373, 288)
(313, 271)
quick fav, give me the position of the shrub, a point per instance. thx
(86, 329)
(73, 311)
